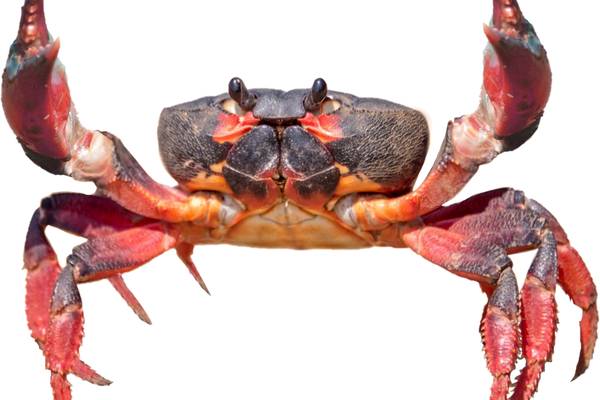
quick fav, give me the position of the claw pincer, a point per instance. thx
(35, 95)
(517, 76)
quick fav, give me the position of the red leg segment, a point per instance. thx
(538, 317)
(119, 285)
(93, 216)
(96, 259)
(119, 241)
(500, 334)
(482, 260)
(573, 275)
(184, 251)
(576, 281)
(465, 237)
(42, 274)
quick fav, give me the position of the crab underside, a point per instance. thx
(308, 168)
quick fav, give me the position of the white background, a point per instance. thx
(378, 323)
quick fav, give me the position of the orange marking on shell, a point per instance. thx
(231, 127)
(325, 126)
(356, 183)
(204, 181)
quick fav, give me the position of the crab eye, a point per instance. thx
(316, 95)
(317, 101)
(240, 94)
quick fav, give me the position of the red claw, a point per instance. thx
(35, 94)
(507, 15)
(517, 76)
(32, 28)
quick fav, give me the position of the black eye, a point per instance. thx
(317, 102)
(318, 93)
(240, 94)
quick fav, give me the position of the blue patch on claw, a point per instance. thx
(13, 64)
(533, 42)
(17, 60)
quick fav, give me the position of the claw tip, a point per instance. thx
(52, 53)
(506, 13)
(494, 35)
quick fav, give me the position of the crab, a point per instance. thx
(307, 168)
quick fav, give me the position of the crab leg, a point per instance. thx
(484, 261)
(538, 317)
(184, 252)
(576, 281)
(516, 87)
(58, 330)
(506, 218)
(512, 229)
(96, 259)
(573, 275)
(499, 332)
(38, 107)
(89, 216)
(42, 273)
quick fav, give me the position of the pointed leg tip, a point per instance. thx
(588, 332)
(184, 251)
(133, 303)
(140, 312)
(99, 380)
(580, 370)
(204, 287)
(104, 382)
(86, 373)
(145, 318)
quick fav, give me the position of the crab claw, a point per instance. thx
(517, 76)
(35, 95)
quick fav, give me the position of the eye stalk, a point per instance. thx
(318, 93)
(239, 93)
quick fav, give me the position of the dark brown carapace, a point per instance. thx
(294, 161)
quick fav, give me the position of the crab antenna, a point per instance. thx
(317, 94)
(239, 93)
